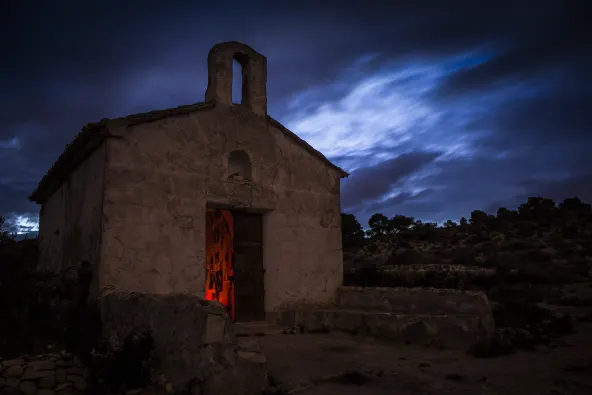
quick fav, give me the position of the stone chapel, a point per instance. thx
(215, 199)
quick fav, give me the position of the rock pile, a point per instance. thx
(57, 373)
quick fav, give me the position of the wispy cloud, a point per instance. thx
(12, 143)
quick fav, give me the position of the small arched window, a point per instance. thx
(239, 166)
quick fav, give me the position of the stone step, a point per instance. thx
(459, 331)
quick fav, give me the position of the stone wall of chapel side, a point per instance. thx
(154, 208)
(51, 231)
(160, 177)
(70, 221)
(303, 238)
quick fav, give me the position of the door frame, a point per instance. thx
(259, 314)
(248, 210)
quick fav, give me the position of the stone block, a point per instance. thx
(28, 387)
(192, 337)
(14, 371)
(60, 375)
(77, 370)
(215, 329)
(312, 320)
(12, 362)
(41, 365)
(33, 374)
(78, 381)
(46, 382)
(10, 391)
(13, 382)
(348, 321)
(62, 386)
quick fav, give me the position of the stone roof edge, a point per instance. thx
(86, 142)
(90, 138)
(93, 134)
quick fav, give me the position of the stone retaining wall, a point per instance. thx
(414, 300)
(428, 316)
(57, 373)
(461, 332)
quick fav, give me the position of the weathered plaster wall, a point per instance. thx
(160, 177)
(303, 233)
(70, 222)
(51, 231)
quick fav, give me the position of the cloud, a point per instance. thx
(396, 200)
(556, 37)
(375, 111)
(369, 184)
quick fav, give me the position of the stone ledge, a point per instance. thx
(461, 331)
(414, 300)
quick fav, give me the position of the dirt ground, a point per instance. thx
(316, 364)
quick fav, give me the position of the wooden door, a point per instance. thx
(249, 289)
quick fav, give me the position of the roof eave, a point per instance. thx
(310, 148)
(93, 135)
(88, 140)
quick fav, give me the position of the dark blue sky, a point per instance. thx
(435, 107)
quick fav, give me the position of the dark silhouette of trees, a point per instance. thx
(352, 234)
(379, 226)
(449, 224)
(530, 218)
(401, 223)
(6, 236)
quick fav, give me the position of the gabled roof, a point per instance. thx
(93, 134)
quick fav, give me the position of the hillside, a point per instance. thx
(534, 263)
(542, 241)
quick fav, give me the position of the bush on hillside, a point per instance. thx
(522, 326)
(120, 363)
(43, 310)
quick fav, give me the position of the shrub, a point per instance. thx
(121, 363)
(522, 325)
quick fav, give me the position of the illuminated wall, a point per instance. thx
(219, 270)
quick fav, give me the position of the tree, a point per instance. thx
(449, 224)
(503, 214)
(425, 230)
(575, 207)
(479, 218)
(352, 234)
(400, 223)
(538, 209)
(379, 225)
(6, 236)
